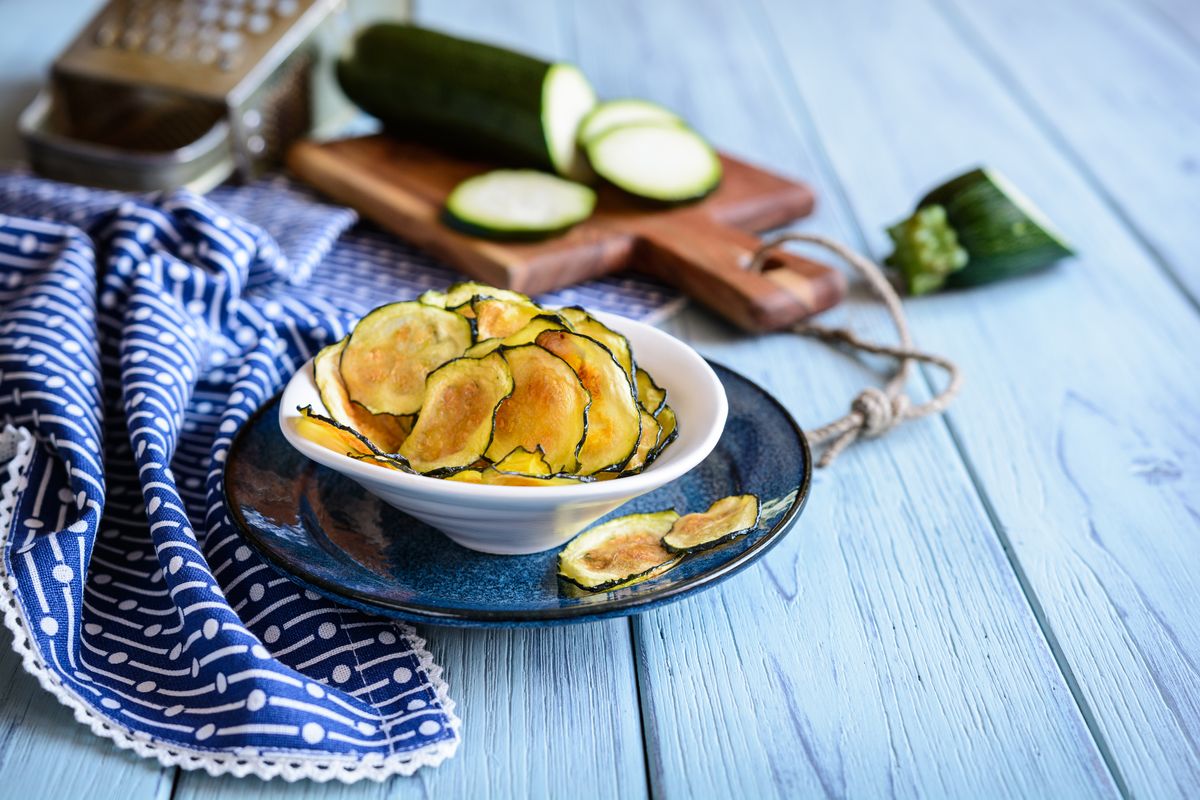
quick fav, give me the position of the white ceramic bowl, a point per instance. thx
(512, 520)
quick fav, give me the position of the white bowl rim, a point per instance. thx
(657, 475)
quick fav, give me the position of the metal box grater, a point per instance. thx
(155, 94)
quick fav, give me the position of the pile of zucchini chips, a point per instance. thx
(482, 385)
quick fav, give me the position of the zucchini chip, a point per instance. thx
(522, 462)
(547, 411)
(614, 423)
(339, 438)
(726, 519)
(496, 318)
(583, 322)
(620, 552)
(646, 444)
(393, 349)
(543, 322)
(385, 431)
(462, 293)
(669, 425)
(494, 477)
(650, 394)
(455, 427)
(432, 297)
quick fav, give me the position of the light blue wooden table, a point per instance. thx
(1001, 602)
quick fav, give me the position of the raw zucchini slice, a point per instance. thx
(724, 520)
(646, 444)
(667, 163)
(650, 394)
(517, 204)
(522, 462)
(613, 114)
(669, 425)
(547, 411)
(614, 423)
(455, 425)
(583, 322)
(496, 318)
(393, 349)
(462, 293)
(385, 431)
(619, 552)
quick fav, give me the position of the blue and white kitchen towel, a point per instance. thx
(136, 335)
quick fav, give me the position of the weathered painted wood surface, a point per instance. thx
(1085, 375)
(995, 604)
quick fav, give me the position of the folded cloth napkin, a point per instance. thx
(136, 335)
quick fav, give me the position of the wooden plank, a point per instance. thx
(1119, 94)
(1178, 17)
(1080, 420)
(885, 647)
(44, 752)
(545, 711)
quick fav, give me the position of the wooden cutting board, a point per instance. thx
(703, 248)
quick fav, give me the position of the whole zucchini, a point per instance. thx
(482, 100)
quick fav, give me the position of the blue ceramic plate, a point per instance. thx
(332, 536)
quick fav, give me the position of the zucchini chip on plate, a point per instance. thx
(455, 427)
(385, 431)
(614, 423)
(393, 349)
(724, 520)
(620, 552)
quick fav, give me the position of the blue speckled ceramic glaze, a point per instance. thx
(330, 535)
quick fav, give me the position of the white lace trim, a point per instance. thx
(289, 766)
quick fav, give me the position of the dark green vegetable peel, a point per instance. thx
(974, 229)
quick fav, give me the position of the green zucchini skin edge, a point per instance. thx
(394, 458)
(478, 99)
(718, 541)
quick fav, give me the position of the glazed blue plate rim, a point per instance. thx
(618, 607)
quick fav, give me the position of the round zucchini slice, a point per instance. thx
(613, 114)
(341, 439)
(547, 411)
(455, 426)
(726, 519)
(462, 293)
(646, 443)
(614, 423)
(583, 322)
(650, 394)
(385, 431)
(517, 205)
(620, 552)
(542, 322)
(494, 477)
(432, 297)
(496, 318)
(669, 425)
(394, 348)
(522, 462)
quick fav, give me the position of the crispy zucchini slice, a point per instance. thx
(462, 293)
(583, 322)
(669, 429)
(619, 552)
(342, 439)
(522, 462)
(432, 297)
(496, 318)
(547, 411)
(614, 423)
(726, 519)
(385, 431)
(646, 444)
(543, 322)
(494, 477)
(393, 349)
(454, 427)
(650, 394)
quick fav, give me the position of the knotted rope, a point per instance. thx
(874, 411)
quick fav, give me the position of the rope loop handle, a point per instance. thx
(874, 411)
